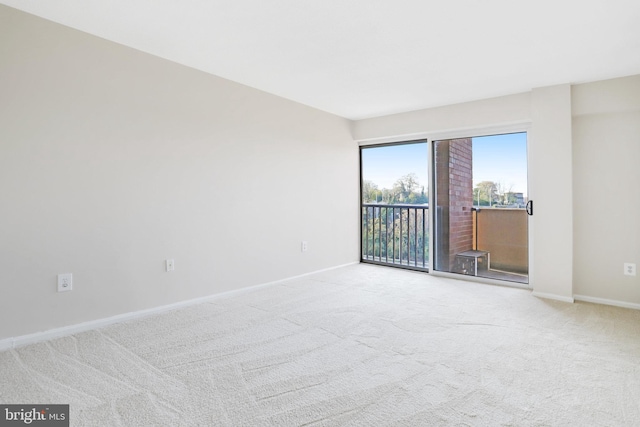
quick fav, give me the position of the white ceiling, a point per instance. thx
(366, 58)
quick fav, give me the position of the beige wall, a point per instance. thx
(550, 188)
(450, 121)
(606, 175)
(112, 160)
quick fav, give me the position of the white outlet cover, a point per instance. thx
(629, 269)
(170, 265)
(65, 282)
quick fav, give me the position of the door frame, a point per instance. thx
(472, 133)
(363, 146)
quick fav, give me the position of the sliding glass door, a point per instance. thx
(480, 207)
(474, 223)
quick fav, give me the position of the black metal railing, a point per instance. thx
(396, 235)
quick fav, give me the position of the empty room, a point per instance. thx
(305, 213)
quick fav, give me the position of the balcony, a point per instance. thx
(398, 235)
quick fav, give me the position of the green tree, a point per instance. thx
(502, 193)
(404, 186)
(370, 192)
(423, 198)
(484, 194)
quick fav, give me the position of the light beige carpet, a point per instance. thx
(361, 346)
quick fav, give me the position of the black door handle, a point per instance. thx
(529, 207)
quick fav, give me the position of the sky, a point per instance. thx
(385, 165)
(498, 158)
(501, 159)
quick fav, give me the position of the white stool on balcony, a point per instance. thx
(470, 262)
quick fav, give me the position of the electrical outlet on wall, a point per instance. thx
(304, 246)
(629, 269)
(65, 282)
(170, 265)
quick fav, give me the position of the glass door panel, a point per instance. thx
(481, 224)
(395, 205)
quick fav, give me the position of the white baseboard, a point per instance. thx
(552, 296)
(13, 342)
(605, 301)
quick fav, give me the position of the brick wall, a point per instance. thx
(454, 175)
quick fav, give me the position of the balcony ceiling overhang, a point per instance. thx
(367, 58)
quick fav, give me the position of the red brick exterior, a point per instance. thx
(454, 176)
